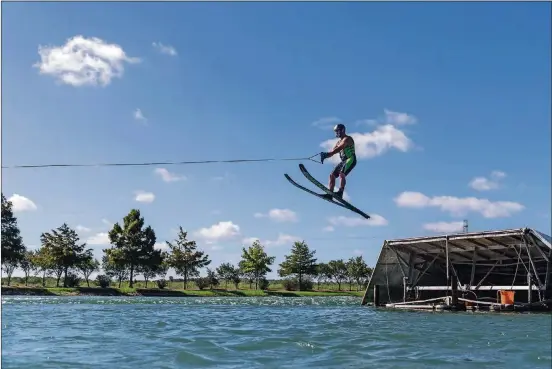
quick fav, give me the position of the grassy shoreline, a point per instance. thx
(97, 291)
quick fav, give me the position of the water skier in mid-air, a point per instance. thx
(345, 146)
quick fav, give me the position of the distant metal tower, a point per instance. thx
(465, 227)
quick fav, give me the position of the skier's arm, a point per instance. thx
(338, 148)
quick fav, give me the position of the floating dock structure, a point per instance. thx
(506, 270)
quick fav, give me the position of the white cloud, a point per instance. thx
(165, 49)
(248, 241)
(357, 252)
(219, 231)
(375, 143)
(282, 239)
(444, 227)
(399, 119)
(21, 203)
(83, 61)
(138, 115)
(487, 184)
(98, 239)
(390, 117)
(279, 215)
(168, 176)
(386, 136)
(161, 246)
(497, 174)
(326, 122)
(368, 122)
(107, 222)
(81, 228)
(411, 199)
(328, 229)
(459, 206)
(142, 196)
(217, 247)
(374, 221)
(483, 184)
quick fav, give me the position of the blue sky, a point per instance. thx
(449, 105)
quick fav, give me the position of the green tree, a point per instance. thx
(235, 277)
(13, 249)
(87, 266)
(26, 264)
(43, 263)
(135, 243)
(256, 261)
(57, 271)
(114, 265)
(358, 271)
(365, 277)
(164, 267)
(350, 275)
(299, 262)
(225, 272)
(338, 271)
(8, 267)
(63, 246)
(184, 257)
(248, 276)
(151, 267)
(322, 272)
(212, 278)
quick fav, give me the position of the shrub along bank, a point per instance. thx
(111, 291)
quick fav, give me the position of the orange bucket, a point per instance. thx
(507, 297)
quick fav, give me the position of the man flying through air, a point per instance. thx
(345, 146)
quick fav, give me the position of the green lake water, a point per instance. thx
(263, 332)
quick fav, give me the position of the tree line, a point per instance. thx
(132, 253)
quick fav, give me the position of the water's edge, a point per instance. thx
(155, 292)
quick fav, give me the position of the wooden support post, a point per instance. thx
(447, 257)
(411, 267)
(376, 295)
(472, 277)
(454, 290)
(531, 263)
(405, 289)
(547, 277)
(529, 288)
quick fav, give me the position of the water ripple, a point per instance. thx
(264, 332)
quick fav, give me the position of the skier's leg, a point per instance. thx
(333, 175)
(347, 167)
